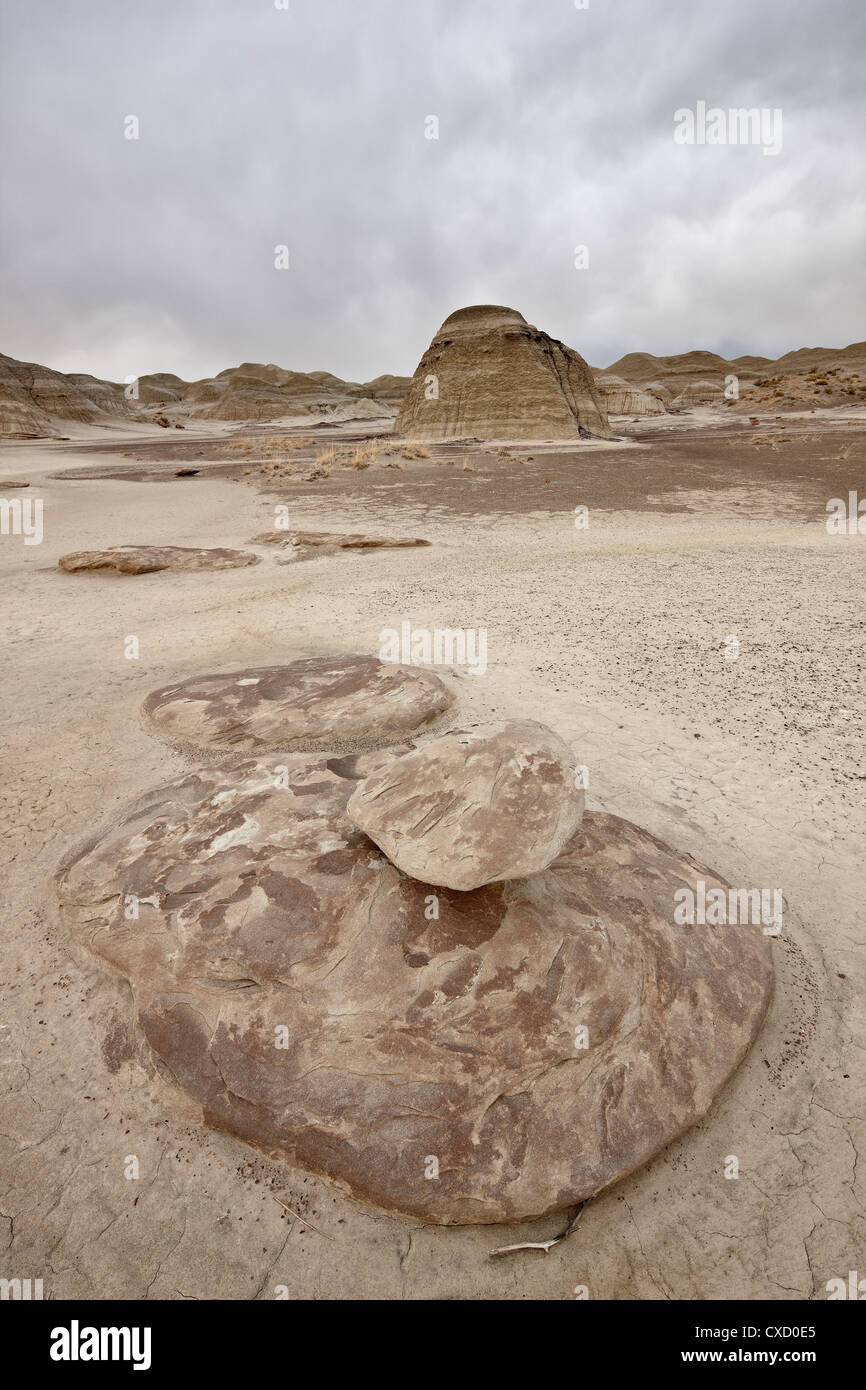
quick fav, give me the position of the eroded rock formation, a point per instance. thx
(488, 374)
(509, 1054)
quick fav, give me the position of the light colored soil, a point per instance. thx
(613, 636)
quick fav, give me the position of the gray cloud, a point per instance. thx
(306, 127)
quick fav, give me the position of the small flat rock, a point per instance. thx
(10, 482)
(478, 805)
(335, 703)
(146, 559)
(330, 542)
(298, 987)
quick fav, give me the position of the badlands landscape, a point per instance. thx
(36, 402)
(275, 583)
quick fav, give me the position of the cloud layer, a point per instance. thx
(306, 127)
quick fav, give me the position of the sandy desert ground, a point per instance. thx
(700, 528)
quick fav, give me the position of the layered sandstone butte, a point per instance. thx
(488, 374)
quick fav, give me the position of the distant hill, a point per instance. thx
(795, 380)
(36, 400)
(642, 368)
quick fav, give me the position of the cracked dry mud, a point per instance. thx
(614, 638)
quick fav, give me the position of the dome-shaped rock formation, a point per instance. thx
(509, 1054)
(338, 703)
(481, 804)
(488, 374)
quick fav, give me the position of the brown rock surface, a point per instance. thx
(289, 978)
(498, 377)
(146, 559)
(478, 805)
(333, 703)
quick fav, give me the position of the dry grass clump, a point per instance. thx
(362, 455)
(270, 454)
(264, 446)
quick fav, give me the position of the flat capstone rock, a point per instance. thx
(337, 703)
(455, 1057)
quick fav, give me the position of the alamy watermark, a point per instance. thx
(440, 646)
(77, 1343)
(846, 519)
(22, 516)
(719, 907)
(21, 1290)
(855, 1288)
(737, 126)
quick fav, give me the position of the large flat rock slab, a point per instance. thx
(478, 805)
(147, 559)
(456, 1057)
(338, 703)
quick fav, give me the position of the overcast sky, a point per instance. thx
(305, 127)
